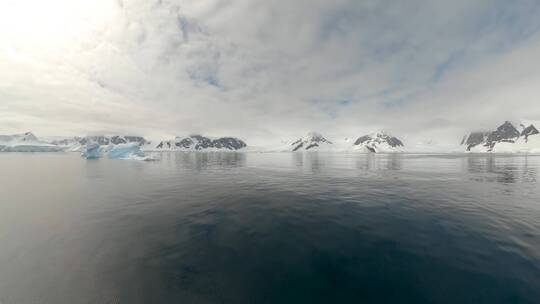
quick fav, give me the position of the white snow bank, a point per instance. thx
(529, 145)
(521, 145)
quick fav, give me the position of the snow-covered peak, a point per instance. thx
(506, 138)
(28, 136)
(315, 135)
(379, 142)
(312, 141)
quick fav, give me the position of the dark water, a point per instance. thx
(270, 228)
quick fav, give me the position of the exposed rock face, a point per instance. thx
(199, 142)
(475, 138)
(311, 141)
(379, 142)
(505, 133)
(530, 130)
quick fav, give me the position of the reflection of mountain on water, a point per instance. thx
(310, 161)
(380, 162)
(336, 163)
(501, 169)
(206, 160)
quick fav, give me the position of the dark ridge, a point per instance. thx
(504, 131)
(394, 142)
(362, 139)
(313, 145)
(530, 130)
(202, 142)
(475, 138)
(380, 138)
(370, 149)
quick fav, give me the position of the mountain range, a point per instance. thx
(196, 143)
(504, 139)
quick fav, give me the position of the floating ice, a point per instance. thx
(127, 151)
(91, 151)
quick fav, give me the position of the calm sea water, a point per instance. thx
(270, 228)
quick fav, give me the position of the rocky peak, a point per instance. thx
(310, 141)
(199, 142)
(379, 138)
(506, 131)
(530, 130)
(474, 139)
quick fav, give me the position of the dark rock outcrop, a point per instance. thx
(199, 143)
(475, 138)
(504, 133)
(530, 130)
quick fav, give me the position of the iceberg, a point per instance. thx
(127, 151)
(91, 151)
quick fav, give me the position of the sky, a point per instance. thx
(268, 71)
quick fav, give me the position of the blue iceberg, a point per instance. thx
(127, 151)
(91, 151)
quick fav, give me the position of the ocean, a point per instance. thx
(270, 228)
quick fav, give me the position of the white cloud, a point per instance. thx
(271, 70)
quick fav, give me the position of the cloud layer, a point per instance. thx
(269, 70)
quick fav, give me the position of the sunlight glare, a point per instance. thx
(34, 25)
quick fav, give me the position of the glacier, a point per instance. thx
(26, 142)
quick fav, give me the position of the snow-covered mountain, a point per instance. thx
(77, 143)
(505, 139)
(378, 142)
(26, 142)
(104, 140)
(311, 142)
(196, 143)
